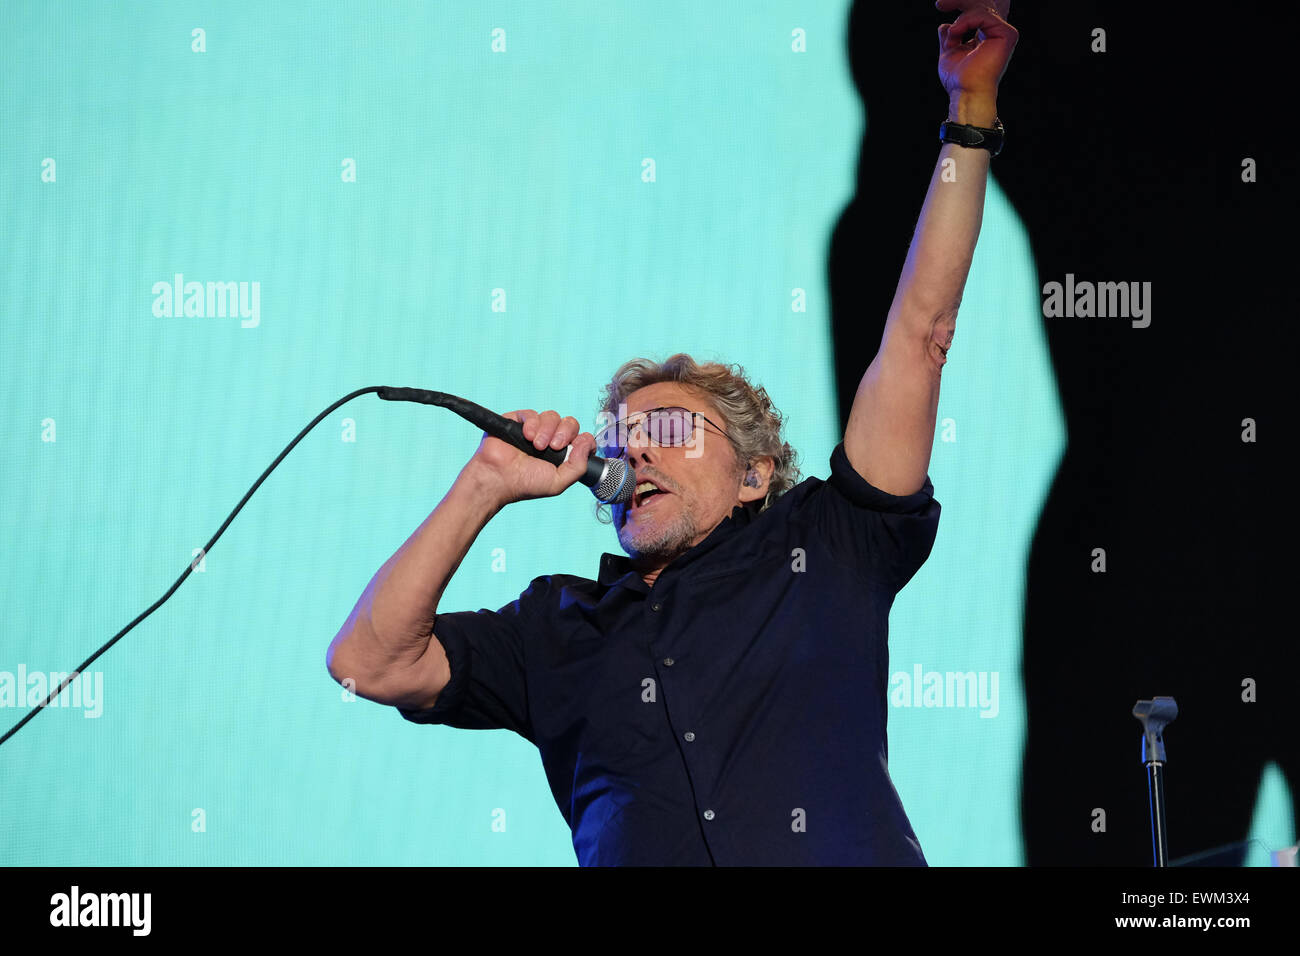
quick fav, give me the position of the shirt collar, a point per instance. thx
(617, 568)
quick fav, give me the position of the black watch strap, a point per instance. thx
(978, 137)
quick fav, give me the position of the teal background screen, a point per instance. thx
(502, 240)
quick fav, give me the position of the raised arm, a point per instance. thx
(890, 430)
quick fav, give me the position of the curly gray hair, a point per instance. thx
(749, 417)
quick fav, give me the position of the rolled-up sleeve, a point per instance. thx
(885, 537)
(488, 689)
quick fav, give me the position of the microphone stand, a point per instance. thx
(1154, 715)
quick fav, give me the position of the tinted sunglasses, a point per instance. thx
(667, 427)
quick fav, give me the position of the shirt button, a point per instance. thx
(689, 735)
(668, 662)
(656, 606)
(708, 814)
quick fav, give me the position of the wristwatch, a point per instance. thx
(979, 137)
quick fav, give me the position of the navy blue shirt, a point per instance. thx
(735, 713)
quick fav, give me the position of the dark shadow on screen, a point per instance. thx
(1123, 166)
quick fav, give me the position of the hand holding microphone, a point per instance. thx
(539, 436)
(535, 467)
(523, 474)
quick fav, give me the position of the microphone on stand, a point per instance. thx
(608, 478)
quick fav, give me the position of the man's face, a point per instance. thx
(700, 480)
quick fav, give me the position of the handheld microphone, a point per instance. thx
(608, 478)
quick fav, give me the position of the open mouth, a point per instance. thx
(647, 493)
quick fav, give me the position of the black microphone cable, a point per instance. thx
(506, 429)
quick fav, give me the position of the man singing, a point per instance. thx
(718, 695)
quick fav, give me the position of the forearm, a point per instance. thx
(939, 258)
(391, 626)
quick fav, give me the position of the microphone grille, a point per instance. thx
(614, 486)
